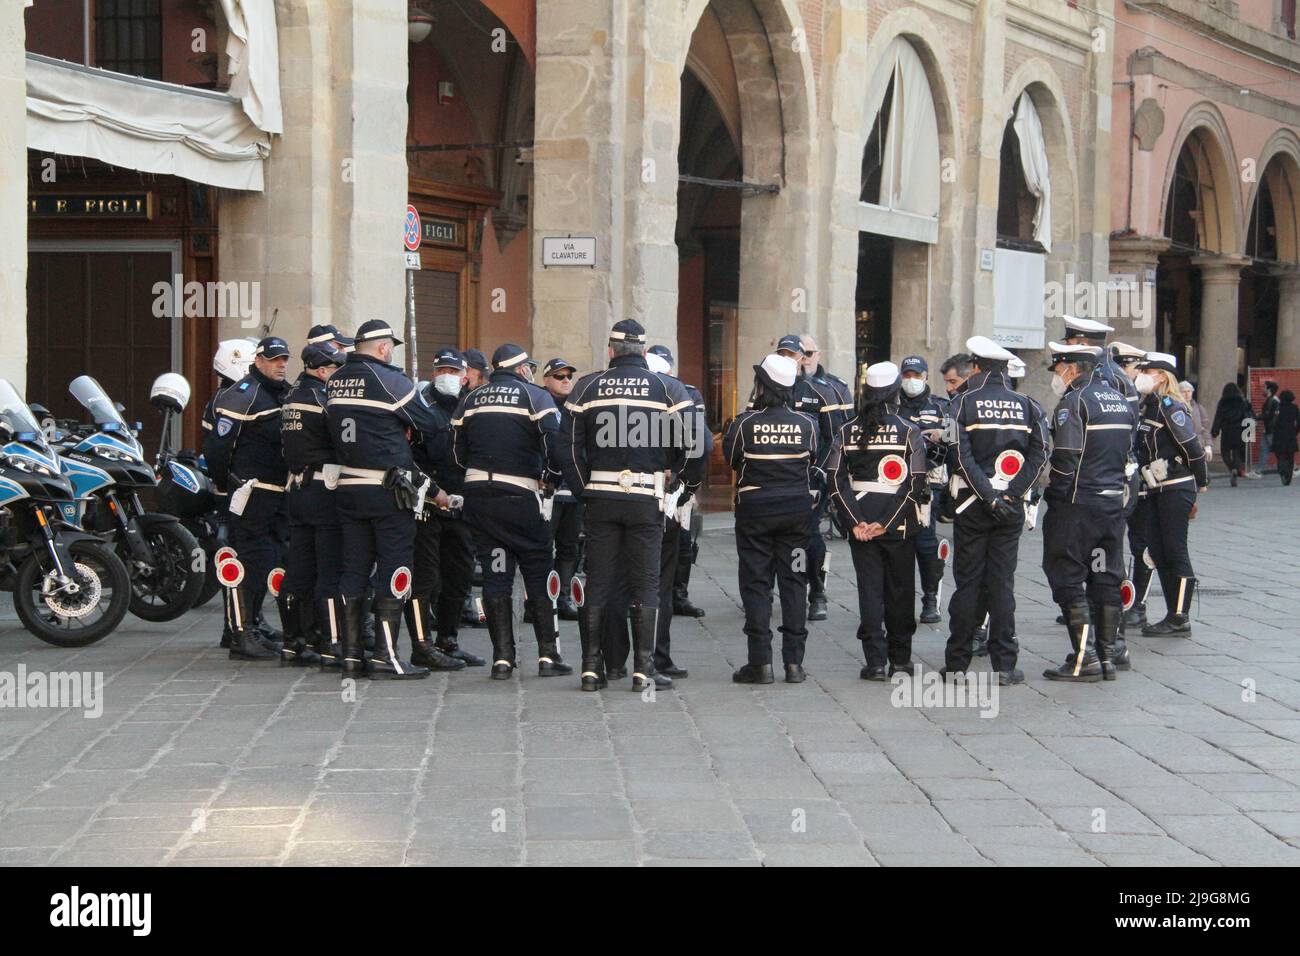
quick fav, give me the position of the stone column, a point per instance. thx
(1132, 312)
(13, 196)
(578, 174)
(1217, 350)
(1287, 350)
(982, 163)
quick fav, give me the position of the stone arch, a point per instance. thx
(774, 78)
(1045, 89)
(1214, 156)
(1279, 162)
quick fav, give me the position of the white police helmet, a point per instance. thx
(233, 358)
(170, 391)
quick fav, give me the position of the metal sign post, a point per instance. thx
(412, 236)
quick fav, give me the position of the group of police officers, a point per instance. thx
(377, 494)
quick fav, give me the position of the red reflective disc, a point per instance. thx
(553, 585)
(1009, 466)
(400, 582)
(1127, 593)
(891, 470)
(576, 591)
(231, 573)
(274, 580)
(223, 555)
(944, 549)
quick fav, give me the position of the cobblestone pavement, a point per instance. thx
(200, 760)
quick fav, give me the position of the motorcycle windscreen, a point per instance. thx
(105, 414)
(18, 419)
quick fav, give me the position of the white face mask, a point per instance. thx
(1144, 383)
(447, 384)
(913, 387)
(1058, 385)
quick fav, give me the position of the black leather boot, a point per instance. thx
(682, 606)
(255, 597)
(386, 663)
(353, 661)
(1178, 599)
(329, 627)
(549, 662)
(246, 642)
(501, 630)
(817, 595)
(424, 653)
(1108, 626)
(469, 612)
(296, 651)
(644, 620)
(593, 660)
(368, 622)
(1136, 616)
(568, 611)
(1083, 667)
(930, 607)
(753, 674)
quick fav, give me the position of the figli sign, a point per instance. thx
(105, 206)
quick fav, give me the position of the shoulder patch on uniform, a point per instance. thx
(243, 386)
(1167, 400)
(223, 426)
(1062, 416)
(1179, 418)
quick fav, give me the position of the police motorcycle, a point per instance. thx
(184, 488)
(69, 588)
(106, 466)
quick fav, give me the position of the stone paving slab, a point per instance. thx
(1193, 758)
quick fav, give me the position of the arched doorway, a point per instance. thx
(1271, 246)
(898, 206)
(470, 131)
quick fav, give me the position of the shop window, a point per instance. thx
(128, 37)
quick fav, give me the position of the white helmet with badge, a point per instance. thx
(170, 391)
(233, 358)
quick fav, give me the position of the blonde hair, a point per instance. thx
(1166, 384)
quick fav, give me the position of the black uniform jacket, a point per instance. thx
(244, 442)
(625, 424)
(771, 451)
(1092, 430)
(504, 434)
(303, 429)
(1000, 442)
(878, 474)
(927, 412)
(1169, 449)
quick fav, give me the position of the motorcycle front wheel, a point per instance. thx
(171, 585)
(84, 617)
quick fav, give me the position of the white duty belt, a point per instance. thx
(480, 475)
(874, 488)
(632, 482)
(362, 476)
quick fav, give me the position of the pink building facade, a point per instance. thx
(1205, 186)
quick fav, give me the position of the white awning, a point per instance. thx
(1033, 160)
(909, 175)
(143, 124)
(1018, 307)
(254, 65)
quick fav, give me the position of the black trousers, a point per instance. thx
(985, 551)
(566, 529)
(1285, 466)
(509, 532)
(774, 547)
(816, 545)
(624, 540)
(259, 539)
(1083, 550)
(315, 559)
(376, 534)
(444, 569)
(927, 549)
(886, 598)
(616, 640)
(1167, 517)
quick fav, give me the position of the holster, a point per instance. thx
(398, 480)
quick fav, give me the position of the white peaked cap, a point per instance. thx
(1086, 326)
(984, 347)
(1016, 368)
(1060, 348)
(781, 369)
(657, 363)
(1160, 360)
(1125, 351)
(882, 375)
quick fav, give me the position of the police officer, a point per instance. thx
(997, 451)
(566, 507)
(821, 405)
(1089, 332)
(331, 336)
(477, 369)
(927, 412)
(1173, 466)
(955, 370)
(687, 539)
(504, 434)
(878, 477)
(1091, 438)
(245, 460)
(444, 558)
(308, 607)
(772, 449)
(370, 406)
(1127, 357)
(625, 446)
